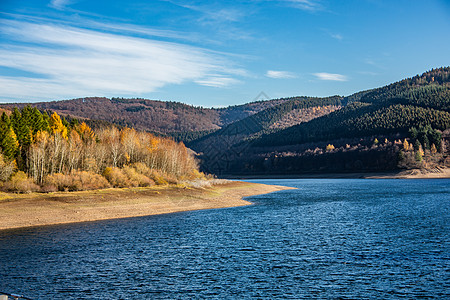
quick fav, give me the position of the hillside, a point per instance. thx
(223, 146)
(364, 135)
(150, 115)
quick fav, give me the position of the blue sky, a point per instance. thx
(215, 53)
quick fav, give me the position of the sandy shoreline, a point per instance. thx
(24, 210)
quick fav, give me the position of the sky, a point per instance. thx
(215, 53)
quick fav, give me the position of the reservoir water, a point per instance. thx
(340, 238)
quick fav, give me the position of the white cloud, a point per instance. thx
(74, 62)
(331, 76)
(280, 74)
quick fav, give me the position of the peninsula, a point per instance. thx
(37, 209)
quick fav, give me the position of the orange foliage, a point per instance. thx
(57, 126)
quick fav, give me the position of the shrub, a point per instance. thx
(170, 178)
(136, 178)
(142, 168)
(195, 174)
(75, 181)
(116, 177)
(20, 183)
(158, 178)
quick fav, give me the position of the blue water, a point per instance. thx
(344, 238)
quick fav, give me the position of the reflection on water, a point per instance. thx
(328, 239)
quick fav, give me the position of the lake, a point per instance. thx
(330, 238)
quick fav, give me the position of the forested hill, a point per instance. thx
(221, 147)
(151, 115)
(401, 125)
(415, 102)
(424, 85)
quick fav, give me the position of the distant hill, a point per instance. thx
(151, 115)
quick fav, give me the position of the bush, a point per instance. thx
(142, 168)
(116, 177)
(153, 175)
(75, 181)
(20, 183)
(170, 178)
(136, 178)
(158, 178)
(194, 175)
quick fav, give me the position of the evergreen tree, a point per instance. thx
(27, 116)
(74, 123)
(16, 119)
(37, 121)
(65, 123)
(45, 122)
(10, 145)
(417, 145)
(5, 123)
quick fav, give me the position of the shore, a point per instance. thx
(436, 173)
(25, 210)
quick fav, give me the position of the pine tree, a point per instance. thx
(417, 145)
(27, 116)
(16, 119)
(419, 156)
(46, 122)
(37, 121)
(5, 123)
(65, 123)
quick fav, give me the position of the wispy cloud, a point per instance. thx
(337, 36)
(309, 5)
(60, 4)
(212, 12)
(217, 81)
(280, 74)
(73, 62)
(331, 76)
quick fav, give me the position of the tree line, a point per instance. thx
(358, 120)
(49, 150)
